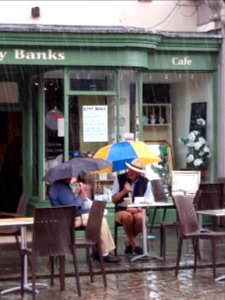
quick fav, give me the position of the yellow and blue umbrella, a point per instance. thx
(126, 151)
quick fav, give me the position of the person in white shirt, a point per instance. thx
(134, 184)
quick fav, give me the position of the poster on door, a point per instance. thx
(95, 123)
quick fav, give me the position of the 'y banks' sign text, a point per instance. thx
(22, 54)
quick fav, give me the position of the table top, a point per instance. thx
(148, 204)
(212, 212)
(21, 221)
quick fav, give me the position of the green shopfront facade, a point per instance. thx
(51, 79)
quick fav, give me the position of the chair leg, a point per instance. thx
(17, 242)
(89, 263)
(102, 266)
(164, 214)
(51, 263)
(197, 249)
(62, 272)
(179, 248)
(162, 241)
(214, 258)
(76, 270)
(196, 253)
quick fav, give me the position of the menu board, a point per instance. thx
(95, 123)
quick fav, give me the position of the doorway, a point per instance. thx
(10, 160)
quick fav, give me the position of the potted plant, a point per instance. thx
(198, 151)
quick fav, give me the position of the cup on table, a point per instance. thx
(127, 200)
(139, 200)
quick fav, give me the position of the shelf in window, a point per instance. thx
(156, 125)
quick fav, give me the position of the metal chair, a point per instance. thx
(172, 225)
(53, 236)
(211, 198)
(92, 237)
(189, 229)
(20, 212)
(159, 196)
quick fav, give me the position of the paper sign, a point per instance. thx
(95, 123)
(60, 125)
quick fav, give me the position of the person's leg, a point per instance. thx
(137, 223)
(126, 219)
(137, 229)
(81, 220)
(106, 238)
(107, 241)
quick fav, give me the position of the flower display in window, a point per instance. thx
(198, 151)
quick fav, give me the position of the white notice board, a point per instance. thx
(95, 123)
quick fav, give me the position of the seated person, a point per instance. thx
(131, 182)
(69, 192)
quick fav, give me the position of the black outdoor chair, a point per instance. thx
(53, 236)
(92, 239)
(189, 229)
(20, 212)
(211, 198)
(159, 196)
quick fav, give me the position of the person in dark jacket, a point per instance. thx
(70, 192)
(131, 184)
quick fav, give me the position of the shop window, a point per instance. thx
(156, 93)
(87, 85)
(92, 80)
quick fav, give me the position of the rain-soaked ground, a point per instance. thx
(141, 279)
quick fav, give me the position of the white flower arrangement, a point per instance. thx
(198, 151)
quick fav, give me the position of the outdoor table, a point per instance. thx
(22, 222)
(144, 206)
(214, 213)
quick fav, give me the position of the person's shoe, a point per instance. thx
(138, 250)
(128, 249)
(111, 258)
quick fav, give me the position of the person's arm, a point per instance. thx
(67, 197)
(117, 195)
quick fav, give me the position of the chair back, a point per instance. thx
(53, 231)
(211, 196)
(197, 198)
(93, 228)
(158, 191)
(187, 216)
(22, 205)
(222, 180)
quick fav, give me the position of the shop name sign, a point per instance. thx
(21, 54)
(181, 61)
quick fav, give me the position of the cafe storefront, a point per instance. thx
(65, 92)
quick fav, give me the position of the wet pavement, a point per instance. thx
(141, 279)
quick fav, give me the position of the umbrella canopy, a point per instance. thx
(73, 167)
(126, 151)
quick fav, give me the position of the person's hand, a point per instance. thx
(127, 187)
(83, 191)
